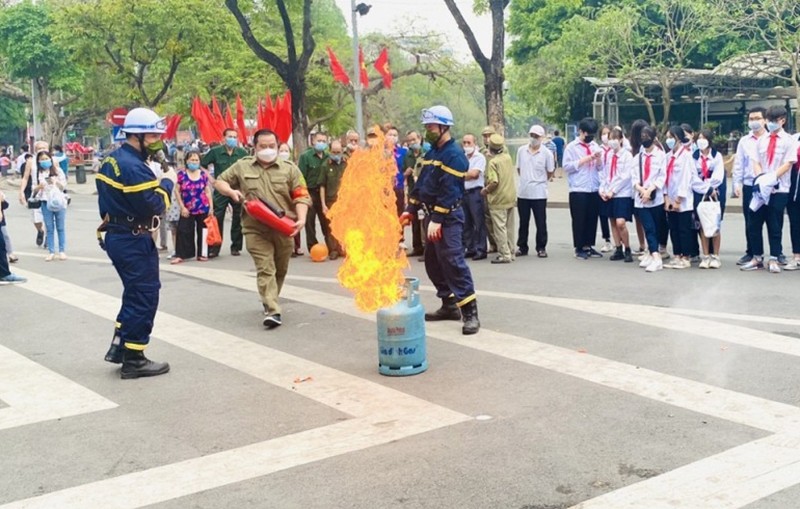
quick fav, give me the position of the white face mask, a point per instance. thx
(267, 155)
(702, 143)
(604, 139)
(285, 155)
(614, 144)
(535, 142)
(353, 145)
(469, 150)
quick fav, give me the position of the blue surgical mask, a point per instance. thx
(773, 126)
(46, 164)
(320, 146)
(670, 143)
(426, 146)
(415, 146)
(336, 157)
(231, 142)
(193, 166)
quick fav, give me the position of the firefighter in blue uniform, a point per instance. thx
(131, 199)
(438, 193)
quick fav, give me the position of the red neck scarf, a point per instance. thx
(773, 142)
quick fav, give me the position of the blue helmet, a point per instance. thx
(437, 115)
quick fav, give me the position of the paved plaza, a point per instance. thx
(591, 385)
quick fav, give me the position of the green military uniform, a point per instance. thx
(414, 161)
(501, 187)
(311, 165)
(282, 184)
(331, 181)
(222, 160)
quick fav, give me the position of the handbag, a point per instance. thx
(641, 179)
(56, 199)
(709, 212)
(34, 203)
(214, 238)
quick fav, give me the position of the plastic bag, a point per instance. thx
(56, 199)
(214, 238)
(710, 214)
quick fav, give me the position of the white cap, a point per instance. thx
(537, 130)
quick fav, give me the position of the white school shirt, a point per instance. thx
(656, 177)
(476, 162)
(533, 170)
(716, 171)
(744, 162)
(620, 184)
(39, 177)
(582, 178)
(785, 152)
(680, 181)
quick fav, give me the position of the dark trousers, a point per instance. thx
(793, 210)
(4, 270)
(314, 212)
(418, 241)
(772, 215)
(662, 225)
(220, 206)
(189, 242)
(330, 241)
(649, 217)
(681, 232)
(583, 208)
(136, 260)
(539, 209)
(604, 229)
(747, 195)
(474, 223)
(444, 260)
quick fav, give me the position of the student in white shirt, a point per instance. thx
(647, 178)
(616, 193)
(636, 145)
(535, 167)
(709, 183)
(582, 163)
(793, 211)
(678, 197)
(474, 224)
(777, 152)
(744, 167)
(603, 206)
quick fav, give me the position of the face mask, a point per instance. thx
(755, 125)
(284, 155)
(155, 147)
(535, 142)
(192, 166)
(267, 155)
(231, 142)
(432, 137)
(415, 146)
(604, 139)
(426, 146)
(702, 144)
(670, 143)
(469, 150)
(588, 138)
(773, 126)
(614, 144)
(320, 146)
(46, 164)
(647, 143)
(336, 157)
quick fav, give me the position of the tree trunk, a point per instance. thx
(300, 127)
(493, 94)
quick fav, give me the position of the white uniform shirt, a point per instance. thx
(678, 184)
(582, 178)
(744, 162)
(656, 177)
(533, 169)
(476, 162)
(785, 152)
(716, 172)
(620, 182)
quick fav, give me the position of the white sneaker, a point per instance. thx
(655, 265)
(607, 247)
(705, 263)
(50, 257)
(646, 261)
(682, 263)
(793, 264)
(715, 262)
(62, 256)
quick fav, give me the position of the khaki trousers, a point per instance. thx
(504, 231)
(271, 252)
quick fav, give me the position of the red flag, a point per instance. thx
(338, 71)
(228, 117)
(219, 120)
(382, 66)
(172, 127)
(363, 76)
(241, 130)
(283, 109)
(259, 116)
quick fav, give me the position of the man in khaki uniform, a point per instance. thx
(487, 132)
(280, 183)
(501, 194)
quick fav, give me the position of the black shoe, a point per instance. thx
(421, 259)
(501, 260)
(114, 354)
(235, 252)
(212, 255)
(480, 256)
(448, 311)
(136, 365)
(744, 260)
(39, 238)
(581, 255)
(272, 321)
(593, 253)
(469, 254)
(617, 256)
(417, 252)
(520, 252)
(471, 323)
(541, 253)
(782, 259)
(628, 255)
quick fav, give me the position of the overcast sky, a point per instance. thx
(395, 16)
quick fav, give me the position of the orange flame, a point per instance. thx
(364, 219)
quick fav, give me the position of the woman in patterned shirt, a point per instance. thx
(194, 199)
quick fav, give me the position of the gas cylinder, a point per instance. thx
(401, 334)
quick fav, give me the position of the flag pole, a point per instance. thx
(356, 74)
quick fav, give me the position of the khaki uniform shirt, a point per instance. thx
(501, 170)
(332, 178)
(280, 183)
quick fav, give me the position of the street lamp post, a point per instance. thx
(357, 68)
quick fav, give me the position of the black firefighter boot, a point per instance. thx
(471, 323)
(136, 365)
(114, 354)
(448, 311)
